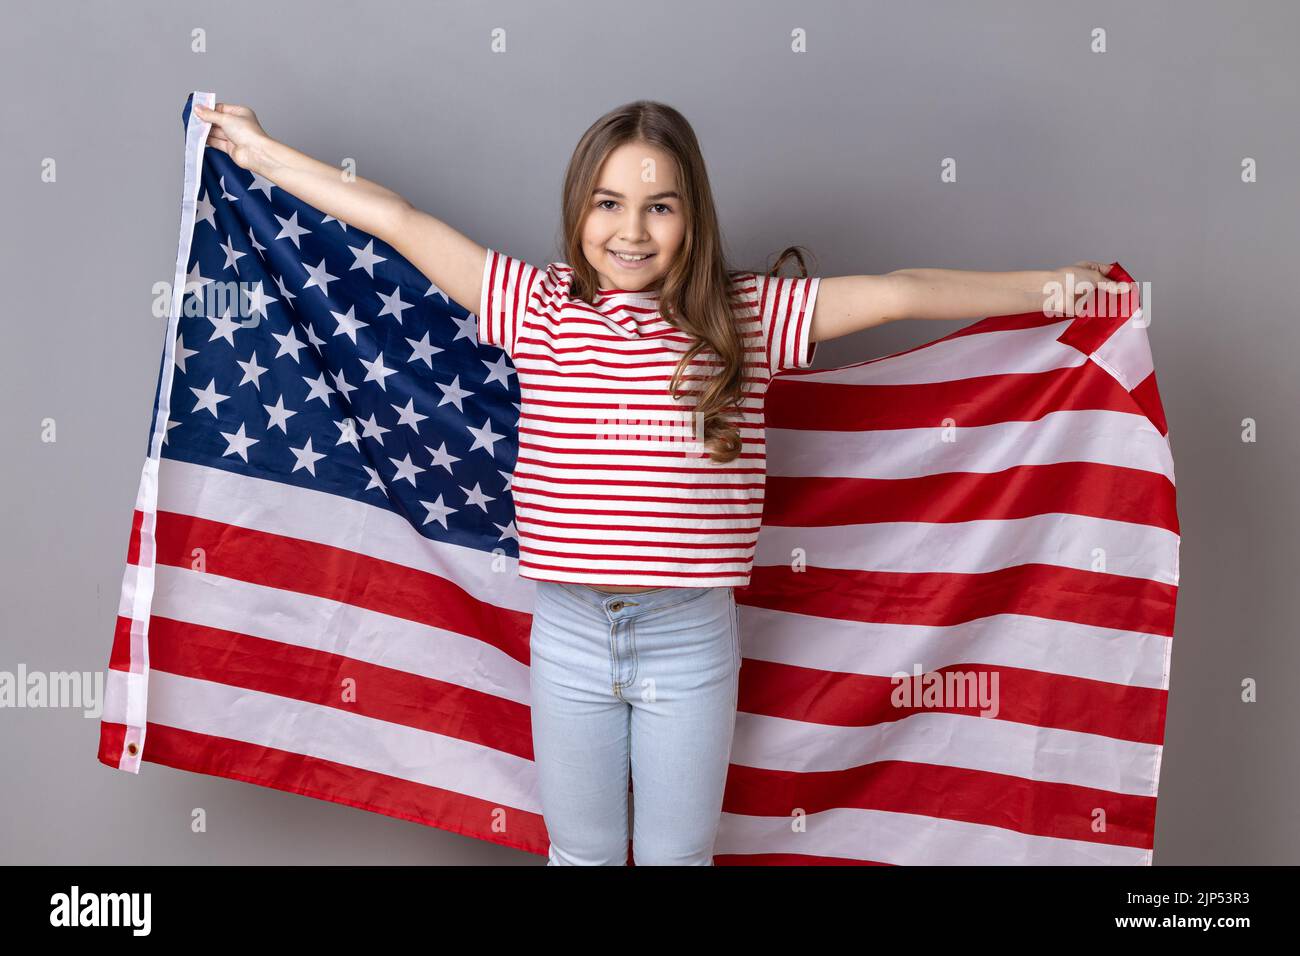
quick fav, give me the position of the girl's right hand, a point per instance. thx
(235, 131)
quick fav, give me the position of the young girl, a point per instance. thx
(643, 363)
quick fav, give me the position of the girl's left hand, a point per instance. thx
(1094, 273)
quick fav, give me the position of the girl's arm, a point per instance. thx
(452, 261)
(850, 303)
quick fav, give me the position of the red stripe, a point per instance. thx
(316, 677)
(1071, 487)
(939, 599)
(279, 561)
(1035, 807)
(339, 783)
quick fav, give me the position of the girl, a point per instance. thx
(643, 363)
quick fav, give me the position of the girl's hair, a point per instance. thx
(696, 295)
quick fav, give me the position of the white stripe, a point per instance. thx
(976, 547)
(278, 508)
(912, 839)
(986, 744)
(1122, 439)
(319, 624)
(1010, 351)
(354, 740)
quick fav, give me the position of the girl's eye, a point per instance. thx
(602, 203)
(666, 209)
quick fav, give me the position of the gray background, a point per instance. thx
(1131, 155)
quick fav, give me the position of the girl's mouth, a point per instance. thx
(630, 264)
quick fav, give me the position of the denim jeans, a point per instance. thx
(642, 682)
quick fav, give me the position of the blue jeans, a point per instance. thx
(645, 682)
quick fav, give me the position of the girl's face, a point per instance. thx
(635, 209)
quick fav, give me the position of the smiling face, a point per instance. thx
(635, 209)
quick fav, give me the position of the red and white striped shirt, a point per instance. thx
(611, 485)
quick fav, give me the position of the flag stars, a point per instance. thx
(466, 328)
(223, 328)
(290, 229)
(319, 277)
(306, 458)
(376, 372)
(375, 481)
(208, 398)
(409, 416)
(289, 344)
(499, 371)
(366, 258)
(441, 457)
(342, 385)
(484, 437)
(252, 371)
(438, 511)
(237, 443)
(348, 323)
(374, 430)
(232, 256)
(262, 183)
(476, 497)
(319, 389)
(453, 393)
(423, 350)
(182, 353)
(206, 212)
(393, 304)
(406, 469)
(279, 415)
(348, 433)
(258, 300)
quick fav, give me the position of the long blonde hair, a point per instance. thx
(696, 295)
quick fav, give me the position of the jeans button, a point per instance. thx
(616, 606)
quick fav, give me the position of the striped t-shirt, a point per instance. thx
(612, 486)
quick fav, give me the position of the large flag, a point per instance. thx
(956, 639)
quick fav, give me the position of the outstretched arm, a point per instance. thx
(850, 303)
(451, 260)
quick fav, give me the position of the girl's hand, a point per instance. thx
(236, 132)
(1089, 278)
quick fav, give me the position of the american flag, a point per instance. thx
(956, 637)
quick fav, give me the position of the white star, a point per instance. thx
(252, 241)
(289, 344)
(409, 416)
(434, 290)
(372, 429)
(259, 182)
(453, 393)
(208, 398)
(393, 304)
(484, 437)
(507, 531)
(206, 212)
(375, 371)
(306, 457)
(182, 353)
(341, 384)
(508, 476)
(167, 429)
(366, 258)
(348, 432)
(499, 370)
(258, 300)
(342, 225)
(312, 337)
(442, 457)
(406, 469)
(194, 282)
(437, 511)
(375, 480)
(289, 229)
(252, 371)
(225, 195)
(284, 290)
(423, 350)
(476, 497)
(232, 256)
(466, 328)
(279, 415)
(348, 323)
(223, 328)
(237, 443)
(320, 277)
(319, 389)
